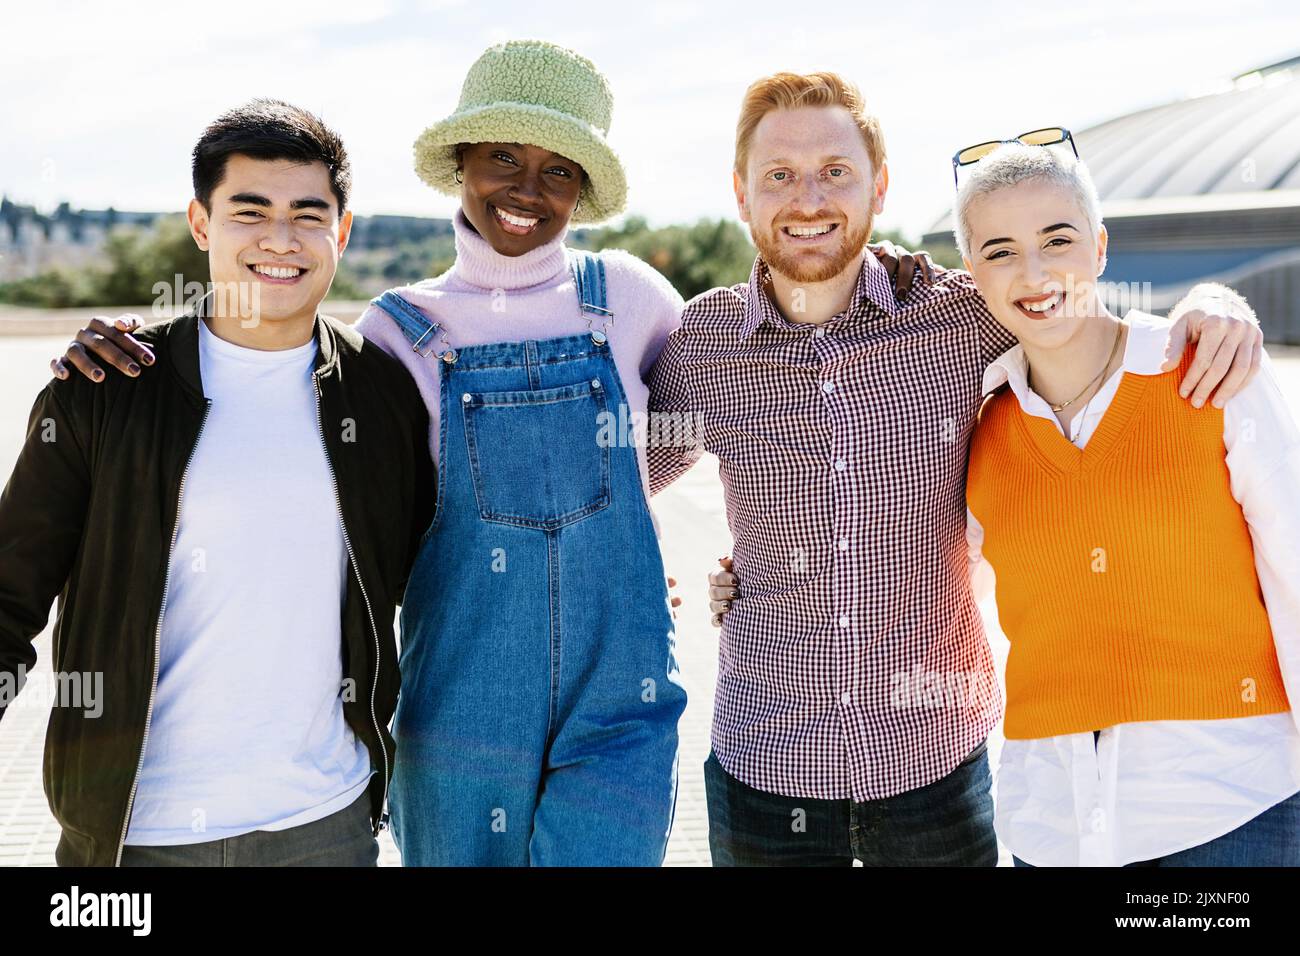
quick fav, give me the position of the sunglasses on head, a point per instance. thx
(1038, 137)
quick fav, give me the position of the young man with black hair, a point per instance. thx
(228, 538)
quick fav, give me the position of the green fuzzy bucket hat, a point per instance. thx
(539, 94)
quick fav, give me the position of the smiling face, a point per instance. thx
(1036, 261)
(274, 224)
(810, 193)
(518, 197)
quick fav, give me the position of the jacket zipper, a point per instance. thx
(356, 570)
(157, 637)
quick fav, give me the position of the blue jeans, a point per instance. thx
(537, 721)
(1270, 839)
(344, 838)
(945, 823)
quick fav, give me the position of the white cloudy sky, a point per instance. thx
(101, 102)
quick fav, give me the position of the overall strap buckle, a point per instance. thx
(588, 271)
(415, 325)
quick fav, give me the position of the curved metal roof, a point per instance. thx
(1231, 148)
(1245, 139)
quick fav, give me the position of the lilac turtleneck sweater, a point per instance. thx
(486, 297)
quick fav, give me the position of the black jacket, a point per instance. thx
(89, 515)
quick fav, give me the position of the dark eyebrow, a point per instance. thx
(253, 199)
(1042, 232)
(249, 199)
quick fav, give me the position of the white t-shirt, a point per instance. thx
(248, 730)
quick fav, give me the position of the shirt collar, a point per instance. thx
(874, 286)
(183, 344)
(1144, 353)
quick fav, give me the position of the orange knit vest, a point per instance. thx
(1125, 574)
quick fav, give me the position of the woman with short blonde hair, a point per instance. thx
(1147, 572)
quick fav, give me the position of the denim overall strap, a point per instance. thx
(589, 277)
(415, 325)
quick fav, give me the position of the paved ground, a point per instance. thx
(694, 536)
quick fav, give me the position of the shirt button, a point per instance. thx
(840, 464)
(828, 387)
(846, 698)
(595, 383)
(844, 544)
(819, 332)
(466, 398)
(844, 620)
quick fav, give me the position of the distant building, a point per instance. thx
(32, 242)
(1204, 189)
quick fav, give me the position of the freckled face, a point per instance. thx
(810, 195)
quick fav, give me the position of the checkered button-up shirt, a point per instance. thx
(854, 664)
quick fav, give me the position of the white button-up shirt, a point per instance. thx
(1150, 788)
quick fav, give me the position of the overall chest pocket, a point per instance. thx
(535, 456)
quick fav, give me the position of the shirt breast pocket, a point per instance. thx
(536, 456)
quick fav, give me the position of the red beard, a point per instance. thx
(808, 269)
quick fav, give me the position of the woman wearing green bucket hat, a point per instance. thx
(537, 721)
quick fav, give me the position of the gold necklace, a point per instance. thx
(1119, 328)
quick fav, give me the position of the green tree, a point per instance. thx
(137, 261)
(55, 289)
(694, 257)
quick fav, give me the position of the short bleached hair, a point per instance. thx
(1014, 163)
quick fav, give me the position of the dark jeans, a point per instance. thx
(945, 823)
(1270, 839)
(344, 838)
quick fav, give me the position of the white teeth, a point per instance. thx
(1045, 306)
(515, 220)
(807, 230)
(278, 272)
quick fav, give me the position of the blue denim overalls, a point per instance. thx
(537, 722)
